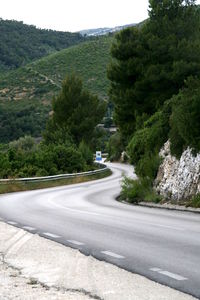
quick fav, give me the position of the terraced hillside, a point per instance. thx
(42, 79)
(26, 93)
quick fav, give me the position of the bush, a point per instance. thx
(42, 160)
(135, 191)
(86, 153)
(145, 144)
(195, 201)
(148, 165)
(115, 147)
(185, 118)
(151, 137)
(55, 134)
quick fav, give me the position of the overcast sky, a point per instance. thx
(74, 15)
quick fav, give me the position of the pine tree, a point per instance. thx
(150, 64)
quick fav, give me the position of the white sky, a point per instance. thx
(74, 15)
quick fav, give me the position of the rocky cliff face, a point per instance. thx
(178, 179)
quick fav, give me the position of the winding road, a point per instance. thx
(159, 244)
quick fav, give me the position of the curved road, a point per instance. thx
(159, 244)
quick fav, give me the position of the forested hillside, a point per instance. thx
(21, 43)
(36, 84)
(41, 79)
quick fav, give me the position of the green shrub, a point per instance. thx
(185, 118)
(148, 165)
(115, 147)
(146, 142)
(195, 201)
(86, 153)
(135, 191)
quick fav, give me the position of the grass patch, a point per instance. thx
(23, 186)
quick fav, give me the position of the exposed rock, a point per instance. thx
(178, 179)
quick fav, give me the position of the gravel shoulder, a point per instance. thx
(32, 267)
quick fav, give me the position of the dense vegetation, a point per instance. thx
(19, 118)
(76, 110)
(40, 81)
(25, 158)
(65, 147)
(21, 43)
(155, 88)
(43, 78)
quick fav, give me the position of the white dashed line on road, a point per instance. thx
(109, 253)
(172, 275)
(51, 235)
(155, 269)
(29, 228)
(75, 242)
(12, 223)
(169, 274)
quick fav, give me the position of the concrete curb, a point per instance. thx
(170, 207)
(166, 206)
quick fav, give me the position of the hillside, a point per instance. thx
(26, 93)
(41, 79)
(21, 43)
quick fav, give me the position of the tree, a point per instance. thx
(150, 64)
(78, 110)
(185, 118)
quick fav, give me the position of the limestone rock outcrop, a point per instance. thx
(178, 179)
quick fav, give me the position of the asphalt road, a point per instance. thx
(159, 244)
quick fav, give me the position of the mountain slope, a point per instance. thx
(41, 79)
(21, 43)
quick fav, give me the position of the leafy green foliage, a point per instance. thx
(100, 139)
(54, 134)
(42, 79)
(86, 153)
(185, 118)
(151, 63)
(37, 83)
(195, 201)
(25, 158)
(115, 147)
(149, 77)
(78, 110)
(20, 43)
(146, 142)
(21, 118)
(135, 191)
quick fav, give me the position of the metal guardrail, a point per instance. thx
(57, 177)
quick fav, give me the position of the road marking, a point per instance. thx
(169, 274)
(155, 269)
(51, 235)
(29, 228)
(109, 253)
(172, 275)
(75, 242)
(12, 223)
